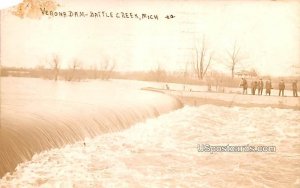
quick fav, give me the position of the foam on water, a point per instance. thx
(162, 152)
(37, 115)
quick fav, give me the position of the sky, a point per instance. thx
(266, 32)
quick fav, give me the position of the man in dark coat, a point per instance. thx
(294, 84)
(268, 87)
(254, 86)
(244, 84)
(281, 86)
(260, 86)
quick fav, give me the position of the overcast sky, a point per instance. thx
(267, 32)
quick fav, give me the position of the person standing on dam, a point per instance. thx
(260, 86)
(294, 86)
(253, 87)
(281, 87)
(244, 84)
(268, 87)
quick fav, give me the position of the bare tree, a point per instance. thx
(94, 70)
(185, 74)
(106, 68)
(111, 68)
(75, 64)
(203, 60)
(54, 64)
(159, 73)
(234, 58)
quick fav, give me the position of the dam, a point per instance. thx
(112, 134)
(39, 115)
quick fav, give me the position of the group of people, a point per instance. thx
(259, 86)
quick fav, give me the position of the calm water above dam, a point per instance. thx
(42, 114)
(160, 152)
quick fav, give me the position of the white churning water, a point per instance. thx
(38, 115)
(162, 152)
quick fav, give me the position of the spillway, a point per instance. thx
(38, 115)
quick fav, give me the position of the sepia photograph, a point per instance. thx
(137, 93)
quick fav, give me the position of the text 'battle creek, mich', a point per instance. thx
(104, 14)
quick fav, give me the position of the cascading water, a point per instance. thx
(38, 115)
